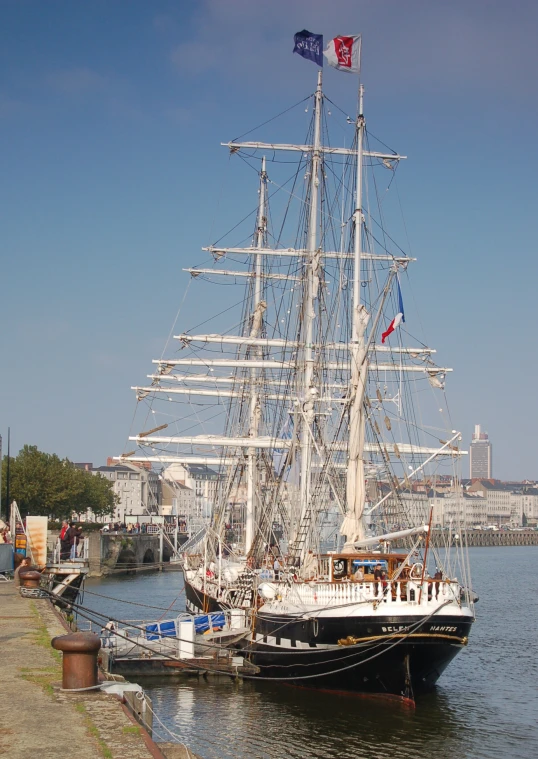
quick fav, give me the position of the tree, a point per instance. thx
(45, 485)
(97, 494)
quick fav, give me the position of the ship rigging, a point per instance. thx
(310, 418)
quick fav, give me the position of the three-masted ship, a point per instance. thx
(322, 534)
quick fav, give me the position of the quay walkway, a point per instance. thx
(36, 719)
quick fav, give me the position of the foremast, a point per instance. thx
(255, 332)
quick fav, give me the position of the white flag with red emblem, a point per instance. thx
(344, 53)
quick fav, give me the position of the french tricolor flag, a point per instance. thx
(400, 317)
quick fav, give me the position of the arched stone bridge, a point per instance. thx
(125, 551)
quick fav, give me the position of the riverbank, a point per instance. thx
(36, 718)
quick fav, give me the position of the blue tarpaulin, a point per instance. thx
(209, 621)
(161, 630)
(168, 629)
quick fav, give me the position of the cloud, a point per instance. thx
(77, 81)
(481, 46)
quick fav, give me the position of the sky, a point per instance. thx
(112, 179)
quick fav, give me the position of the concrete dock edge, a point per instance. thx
(37, 718)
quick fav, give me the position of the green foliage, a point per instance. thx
(45, 485)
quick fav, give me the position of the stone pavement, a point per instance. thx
(38, 721)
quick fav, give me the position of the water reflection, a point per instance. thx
(264, 720)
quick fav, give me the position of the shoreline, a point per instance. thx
(42, 719)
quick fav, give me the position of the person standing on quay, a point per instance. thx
(65, 544)
(72, 535)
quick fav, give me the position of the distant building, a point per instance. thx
(202, 480)
(138, 489)
(85, 465)
(459, 509)
(529, 505)
(454, 509)
(504, 505)
(178, 500)
(480, 456)
(473, 503)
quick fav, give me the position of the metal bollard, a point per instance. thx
(30, 578)
(79, 659)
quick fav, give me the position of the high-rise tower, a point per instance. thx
(480, 455)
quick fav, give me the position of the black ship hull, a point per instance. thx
(199, 602)
(402, 668)
(397, 657)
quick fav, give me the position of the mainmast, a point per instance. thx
(257, 319)
(353, 526)
(311, 291)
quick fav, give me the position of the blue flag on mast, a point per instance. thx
(309, 45)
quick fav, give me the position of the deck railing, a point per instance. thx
(430, 593)
(434, 592)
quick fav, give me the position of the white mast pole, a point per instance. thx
(309, 313)
(358, 216)
(353, 525)
(260, 233)
(255, 412)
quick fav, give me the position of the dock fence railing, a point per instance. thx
(80, 551)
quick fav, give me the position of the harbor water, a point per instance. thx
(485, 705)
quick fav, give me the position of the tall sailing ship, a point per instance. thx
(307, 408)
